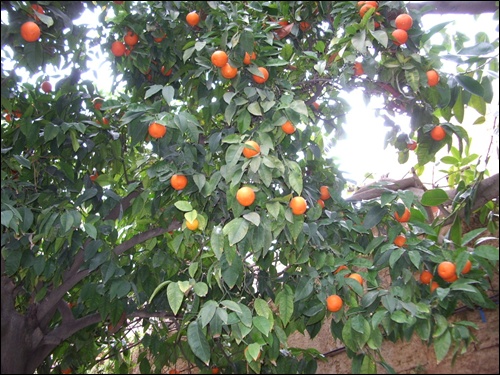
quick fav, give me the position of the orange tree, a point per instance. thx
(96, 251)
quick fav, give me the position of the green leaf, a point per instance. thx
(236, 230)
(183, 206)
(217, 241)
(119, 289)
(198, 342)
(157, 289)
(442, 345)
(284, 301)
(374, 216)
(434, 197)
(262, 324)
(470, 84)
(487, 252)
(175, 297)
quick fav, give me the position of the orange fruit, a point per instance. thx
(131, 38)
(264, 72)
(298, 205)
(446, 270)
(193, 18)
(356, 276)
(157, 130)
(46, 87)
(321, 202)
(245, 196)
(97, 103)
(405, 217)
(324, 193)
(432, 77)
(340, 268)
(105, 121)
(249, 57)
(174, 371)
(178, 181)
(400, 36)
(215, 370)
(425, 277)
(228, 71)
(372, 3)
(304, 25)
(358, 69)
(283, 23)
(316, 105)
(434, 286)
(412, 145)
(94, 176)
(288, 127)
(404, 22)
(250, 152)
(400, 241)
(219, 58)
(30, 31)
(159, 39)
(118, 48)
(451, 279)
(438, 133)
(365, 8)
(334, 303)
(467, 267)
(192, 225)
(39, 9)
(66, 371)
(166, 72)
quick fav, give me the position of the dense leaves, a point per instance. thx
(89, 216)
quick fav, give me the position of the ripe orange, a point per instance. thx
(178, 181)
(46, 87)
(264, 72)
(228, 71)
(432, 77)
(192, 225)
(358, 69)
(304, 26)
(365, 8)
(174, 371)
(215, 370)
(97, 103)
(412, 145)
(298, 205)
(193, 18)
(157, 130)
(248, 58)
(425, 277)
(321, 202)
(451, 279)
(166, 72)
(372, 3)
(467, 267)
(94, 176)
(245, 196)
(324, 193)
(334, 303)
(288, 127)
(438, 133)
(356, 276)
(131, 38)
(118, 48)
(446, 270)
(38, 9)
(400, 241)
(316, 105)
(404, 22)
(283, 23)
(105, 121)
(250, 152)
(434, 286)
(30, 31)
(340, 268)
(159, 39)
(400, 36)
(219, 58)
(405, 217)
(66, 371)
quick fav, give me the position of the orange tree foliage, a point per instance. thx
(94, 237)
